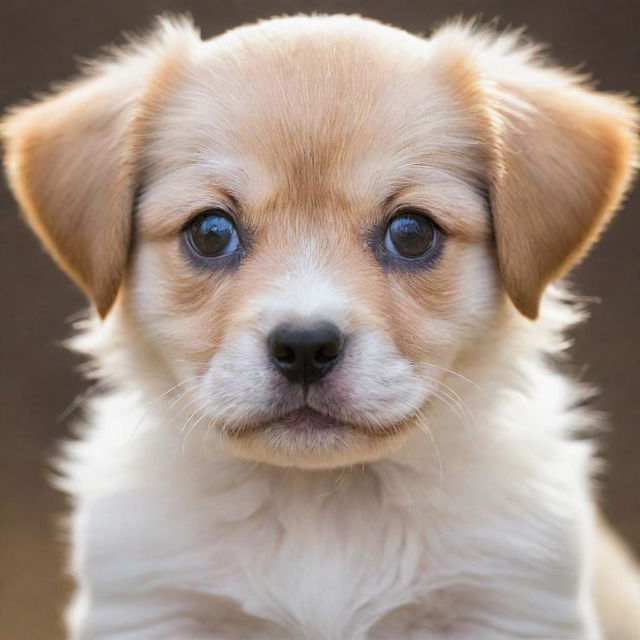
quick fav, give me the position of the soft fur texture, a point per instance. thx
(454, 501)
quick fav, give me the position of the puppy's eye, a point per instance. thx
(212, 234)
(411, 236)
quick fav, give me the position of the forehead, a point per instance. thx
(315, 112)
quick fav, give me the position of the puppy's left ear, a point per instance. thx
(560, 155)
(563, 159)
(71, 159)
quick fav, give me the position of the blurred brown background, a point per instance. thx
(39, 41)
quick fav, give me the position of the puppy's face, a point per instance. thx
(314, 244)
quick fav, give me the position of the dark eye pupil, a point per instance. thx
(212, 234)
(411, 235)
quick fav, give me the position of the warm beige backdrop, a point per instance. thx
(39, 40)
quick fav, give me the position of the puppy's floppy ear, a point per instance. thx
(71, 159)
(560, 157)
(563, 159)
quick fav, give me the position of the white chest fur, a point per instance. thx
(483, 539)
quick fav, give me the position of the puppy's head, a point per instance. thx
(310, 219)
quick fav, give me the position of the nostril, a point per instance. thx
(329, 351)
(283, 353)
(281, 349)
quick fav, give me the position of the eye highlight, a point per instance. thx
(411, 236)
(212, 234)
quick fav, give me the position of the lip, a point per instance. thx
(306, 422)
(303, 427)
(307, 419)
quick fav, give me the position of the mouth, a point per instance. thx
(307, 419)
(306, 422)
(311, 439)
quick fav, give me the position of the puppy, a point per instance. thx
(321, 253)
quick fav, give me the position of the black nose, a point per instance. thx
(304, 353)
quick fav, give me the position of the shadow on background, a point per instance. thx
(39, 41)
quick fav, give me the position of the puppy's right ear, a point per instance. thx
(71, 159)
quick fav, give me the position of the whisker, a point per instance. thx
(159, 399)
(191, 402)
(336, 486)
(458, 400)
(424, 426)
(454, 401)
(203, 415)
(455, 373)
(458, 408)
(463, 420)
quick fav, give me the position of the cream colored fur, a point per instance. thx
(456, 501)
